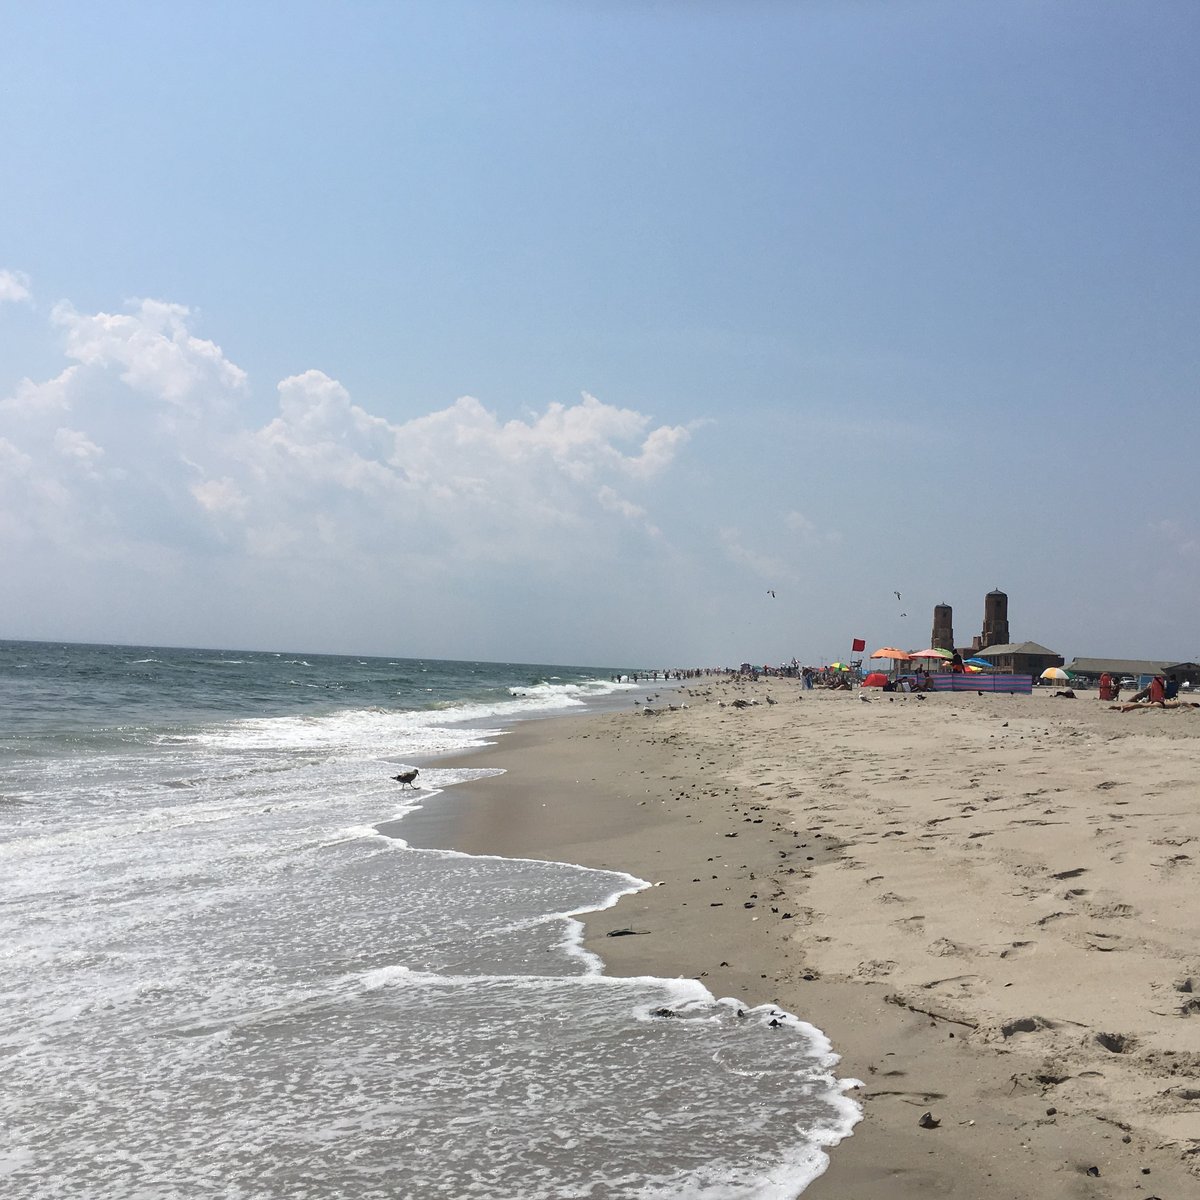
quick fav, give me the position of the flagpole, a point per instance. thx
(857, 646)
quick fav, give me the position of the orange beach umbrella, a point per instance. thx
(892, 652)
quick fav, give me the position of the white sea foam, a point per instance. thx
(453, 728)
(571, 694)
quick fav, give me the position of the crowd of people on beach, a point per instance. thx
(668, 675)
(1162, 689)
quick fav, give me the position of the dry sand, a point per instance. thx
(989, 903)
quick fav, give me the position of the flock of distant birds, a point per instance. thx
(771, 593)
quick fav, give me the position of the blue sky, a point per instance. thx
(564, 331)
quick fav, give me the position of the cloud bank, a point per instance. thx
(138, 456)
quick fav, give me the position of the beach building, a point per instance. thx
(1135, 668)
(1023, 658)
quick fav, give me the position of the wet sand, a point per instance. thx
(987, 902)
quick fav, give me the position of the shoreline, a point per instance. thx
(788, 841)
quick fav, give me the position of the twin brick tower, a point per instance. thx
(995, 624)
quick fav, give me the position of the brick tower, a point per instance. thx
(943, 628)
(995, 619)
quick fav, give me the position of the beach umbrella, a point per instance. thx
(1055, 673)
(979, 662)
(897, 656)
(939, 654)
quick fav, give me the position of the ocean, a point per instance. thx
(218, 978)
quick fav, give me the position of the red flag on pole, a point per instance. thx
(858, 645)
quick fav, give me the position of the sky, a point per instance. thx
(600, 332)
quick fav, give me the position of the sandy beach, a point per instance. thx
(987, 902)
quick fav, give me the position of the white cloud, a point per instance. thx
(321, 439)
(78, 449)
(33, 503)
(220, 496)
(458, 481)
(658, 450)
(153, 448)
(14, 286)
(581, 440)
(611, 500)
(151, 347)
(35, 399)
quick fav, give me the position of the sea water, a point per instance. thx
(219, 979)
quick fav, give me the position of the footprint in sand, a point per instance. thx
(1104, 942)
(943, 947)
(1032, 1024)
(1174, 862)
(1116, 1043)
(958, 986)
(875, 968)
(1054, 916)
(1102, 912)
(1018, 949)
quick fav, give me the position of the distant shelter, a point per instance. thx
(1135, 668)
(1021, 658)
